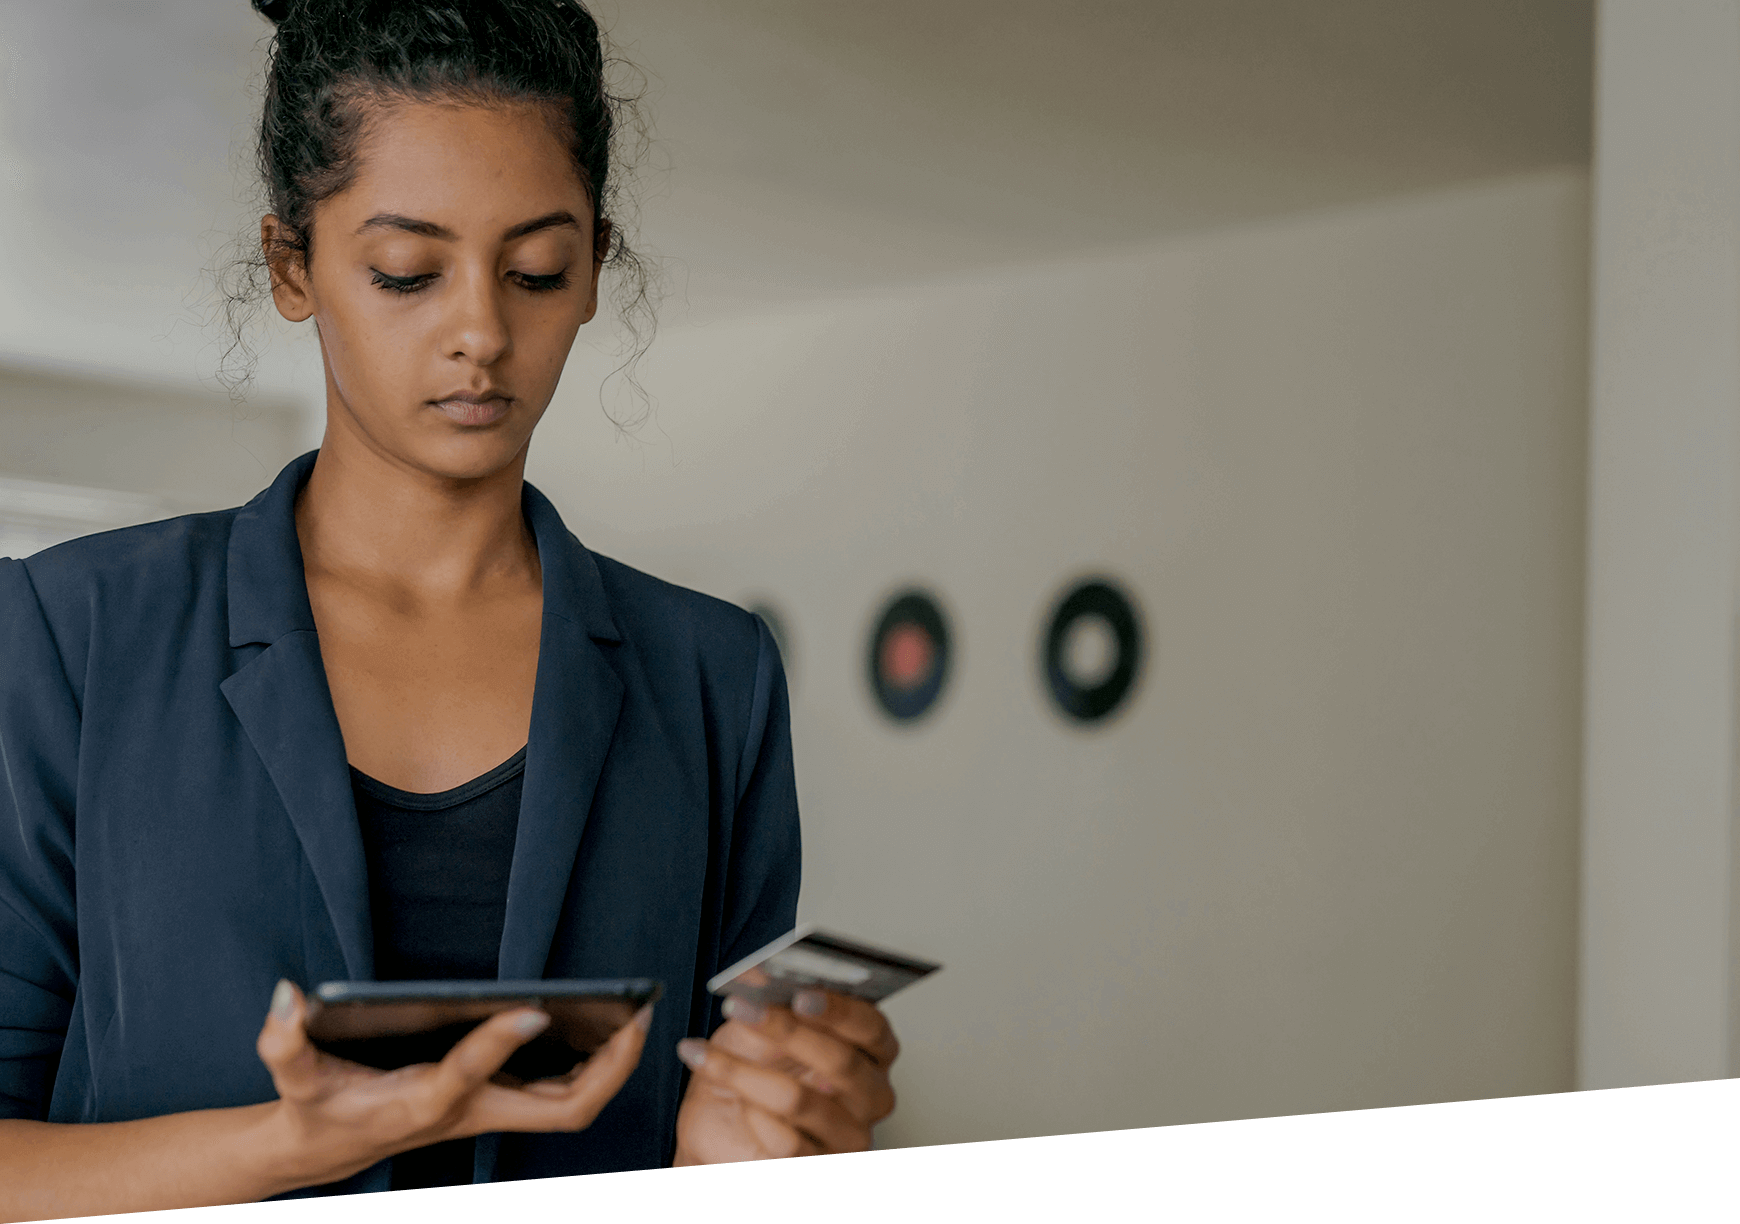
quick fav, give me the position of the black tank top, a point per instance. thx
(438, 875)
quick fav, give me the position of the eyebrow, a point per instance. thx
(428, 229)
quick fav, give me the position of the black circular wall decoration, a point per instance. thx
(909, 656)
(1092, 652)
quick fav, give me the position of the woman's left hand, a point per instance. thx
(778, 1081)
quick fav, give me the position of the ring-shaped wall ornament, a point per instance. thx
(1091, 655)
(909, 656)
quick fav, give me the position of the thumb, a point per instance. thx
(283, 1043)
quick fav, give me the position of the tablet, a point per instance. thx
(395, 1024)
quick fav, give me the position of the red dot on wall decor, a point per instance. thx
(908, 655)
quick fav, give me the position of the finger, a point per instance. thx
(749, 1042)
(777, 1137)
(853, 1020)
(554, 1105)
(604, 1074)
(763, 1034)
(284, 1047)
(813, 1057)
(767, 1041)
(823, 1119)
(481, 1053)
(743, 1040)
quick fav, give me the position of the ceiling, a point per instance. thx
(811, 147)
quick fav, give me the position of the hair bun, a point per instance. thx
(273, 10)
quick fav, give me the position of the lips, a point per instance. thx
(472, 408)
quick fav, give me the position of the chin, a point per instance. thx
(470, 455)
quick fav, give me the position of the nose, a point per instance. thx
(477, 327)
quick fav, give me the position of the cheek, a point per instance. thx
(368, 343)
(542, 338)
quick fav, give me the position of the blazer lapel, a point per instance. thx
(575, 705)
(281, 698)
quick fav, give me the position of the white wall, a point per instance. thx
(1659, 1000)
(1327, 859)
(183, 447)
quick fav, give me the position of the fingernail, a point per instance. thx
(643, 1018)
(283, 1001)
(745, 1010)
(693, 1052)
(809, 1003)
(531, 1023)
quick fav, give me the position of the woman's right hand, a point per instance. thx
(336, 1118)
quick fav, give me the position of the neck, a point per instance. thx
(378, 520)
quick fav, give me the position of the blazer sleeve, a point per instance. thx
(766, 856)
(39, 737)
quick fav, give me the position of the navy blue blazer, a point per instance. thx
(177, 831)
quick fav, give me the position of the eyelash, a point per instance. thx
(416, 284)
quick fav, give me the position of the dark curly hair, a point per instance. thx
(332, 62)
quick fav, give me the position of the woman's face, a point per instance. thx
(447, 283)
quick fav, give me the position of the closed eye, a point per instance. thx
(543, 284)
(401, 284)
(413, 284)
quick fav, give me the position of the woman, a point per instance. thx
(390, 719)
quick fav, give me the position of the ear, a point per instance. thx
(287, 268)
(600, 249)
